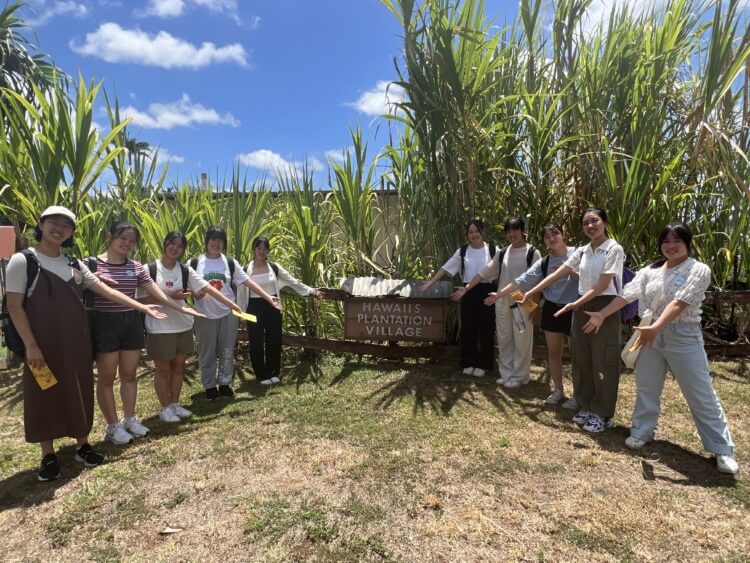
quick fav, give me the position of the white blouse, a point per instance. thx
(271, 284)
(590, 265)
(686, 282)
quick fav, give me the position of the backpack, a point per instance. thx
(13, 340)
(183, 268)
(493, 248)
(230, 263)
(275, 267)
(629, 311)
(529, 258)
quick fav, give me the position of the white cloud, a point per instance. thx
(163, 8)
(254, 22)
(57, 8)
(337, 155)
(165, 156)
(176, 8)
(379, 100)
(182, 113)
(599, 10)
(114, 44)
(269, 161)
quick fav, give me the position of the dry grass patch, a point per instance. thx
(383, 462)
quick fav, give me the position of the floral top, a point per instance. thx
(686, 282)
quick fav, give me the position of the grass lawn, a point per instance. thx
(360, 460)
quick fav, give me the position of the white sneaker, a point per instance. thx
(469, 371)
(512, 384)
(570, 404)
(633, 443)
(275, 380)
(266, 382)
(479, 372)
(181, 411)
(117, 434)
(134, 426)
(167, 414)
(727, 464)
(555, 397)
(501, 380)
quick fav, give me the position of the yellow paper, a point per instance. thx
(44, 377)
(246, 316)
(517, 296)
(636, 345)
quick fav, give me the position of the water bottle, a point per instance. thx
(518, 319)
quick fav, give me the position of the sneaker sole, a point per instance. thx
(636, 448)
(79, 459)
(46, 479)
(115, 442)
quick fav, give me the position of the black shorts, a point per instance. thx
(111, 332)
(551, 323)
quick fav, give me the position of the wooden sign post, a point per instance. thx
(395, 319)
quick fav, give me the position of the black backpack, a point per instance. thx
(462, 252)
(529, 258)
(183, 268)
(230, 263)
(13, 340)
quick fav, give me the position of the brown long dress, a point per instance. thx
(58, 321)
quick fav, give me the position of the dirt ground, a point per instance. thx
(354, 460)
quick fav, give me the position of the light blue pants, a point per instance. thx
(679, 348)
(216, 339)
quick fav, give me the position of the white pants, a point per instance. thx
(679, 348)
(514, 347)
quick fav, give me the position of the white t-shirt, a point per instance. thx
(168, 280)
(59, 265)
(474, 261)
(216, 272)
(514, 264)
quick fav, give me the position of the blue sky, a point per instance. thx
(269, 83)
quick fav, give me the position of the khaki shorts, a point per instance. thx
(169, 345)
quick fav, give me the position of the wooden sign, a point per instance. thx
(395, 319)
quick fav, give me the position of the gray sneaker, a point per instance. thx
(570, 404)
(555, 397)
(117, 434)
(135, 427)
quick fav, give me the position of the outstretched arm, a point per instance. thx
(104, 290)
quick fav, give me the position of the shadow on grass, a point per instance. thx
(432, 390)
(11, 388)
(23, 489)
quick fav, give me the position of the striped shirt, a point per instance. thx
(129, 277)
